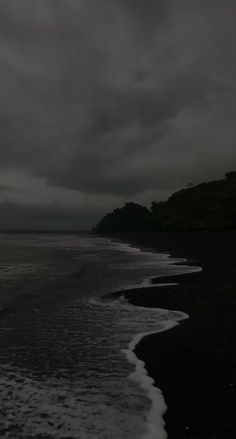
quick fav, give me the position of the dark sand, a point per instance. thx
(194, 364)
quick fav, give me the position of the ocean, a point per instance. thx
(67, 364)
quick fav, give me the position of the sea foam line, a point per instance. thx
(155, 427)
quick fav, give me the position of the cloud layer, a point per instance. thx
(113, 100)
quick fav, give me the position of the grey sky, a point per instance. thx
(111, 100)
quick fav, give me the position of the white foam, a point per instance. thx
(155, 424)
(147, 283)
(126, 247)
(155, 427)
(35, 397)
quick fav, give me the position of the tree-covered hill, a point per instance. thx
(131, 217)
(205, 206)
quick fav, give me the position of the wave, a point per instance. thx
(155, 424)
(77, 401)
(155, 427)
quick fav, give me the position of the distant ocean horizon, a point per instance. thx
(68, 367)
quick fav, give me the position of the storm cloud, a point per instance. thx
(107, 101)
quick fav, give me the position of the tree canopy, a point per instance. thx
(205, 206)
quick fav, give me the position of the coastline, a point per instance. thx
(193, 363)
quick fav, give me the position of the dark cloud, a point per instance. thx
(149, 13)
(117, 97)
(148, 107)
(105, 168)
(5, 188)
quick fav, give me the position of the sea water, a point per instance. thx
(67, 364)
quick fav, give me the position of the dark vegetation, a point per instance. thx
(205, 206)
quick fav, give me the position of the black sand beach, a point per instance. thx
(194, 364)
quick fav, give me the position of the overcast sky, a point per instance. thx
(104, 101)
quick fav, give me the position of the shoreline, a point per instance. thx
(155, 419)
(193, 363)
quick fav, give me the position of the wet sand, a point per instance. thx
(194, 364)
